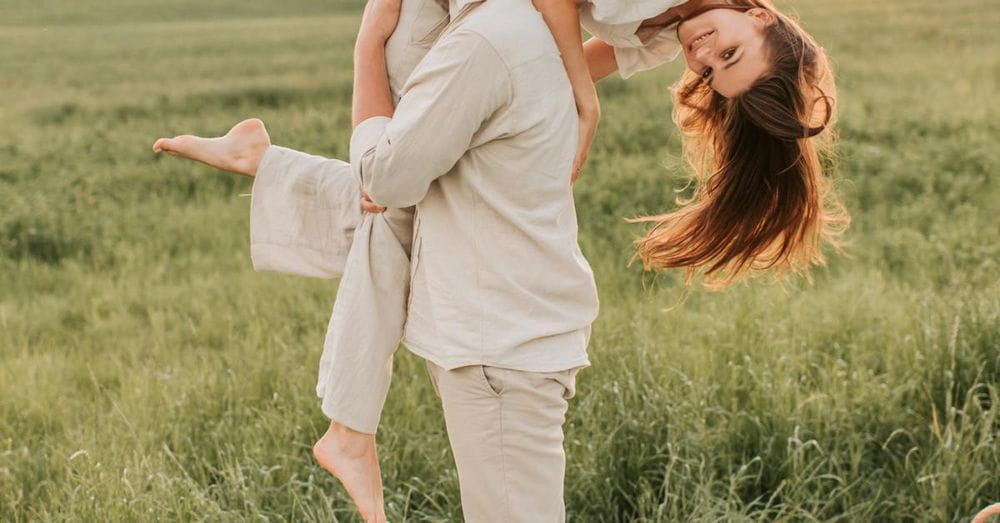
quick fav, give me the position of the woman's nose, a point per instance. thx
(703, 53)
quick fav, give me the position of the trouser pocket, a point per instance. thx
(492, 378)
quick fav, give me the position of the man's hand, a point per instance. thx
(379, 21)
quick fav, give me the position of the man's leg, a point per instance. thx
(505, 428)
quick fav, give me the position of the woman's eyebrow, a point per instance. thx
(727, 66)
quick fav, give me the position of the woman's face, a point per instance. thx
(726, 47)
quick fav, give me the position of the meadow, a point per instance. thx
(147, 373)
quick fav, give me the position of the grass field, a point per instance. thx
(147, 373)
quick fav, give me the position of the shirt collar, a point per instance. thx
(461, 4)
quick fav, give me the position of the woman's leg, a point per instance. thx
(505, 428)
(356, 367)
(367, 321)
(289, 246)
(305, 216)
(304, 210)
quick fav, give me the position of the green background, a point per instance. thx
(147, 373)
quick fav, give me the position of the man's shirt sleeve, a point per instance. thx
(458, 86)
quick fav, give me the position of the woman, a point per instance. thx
(753, 104)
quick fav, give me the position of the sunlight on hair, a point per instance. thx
(762, 202)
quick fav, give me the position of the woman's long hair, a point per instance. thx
(761, 201)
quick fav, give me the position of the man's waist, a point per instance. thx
(478, 314)
(541, 354)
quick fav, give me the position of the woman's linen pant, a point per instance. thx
(305, 219)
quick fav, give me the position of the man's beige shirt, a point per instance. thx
(482, 142)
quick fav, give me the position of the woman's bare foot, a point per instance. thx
(350, 456)
(984, 515)
(239, 151)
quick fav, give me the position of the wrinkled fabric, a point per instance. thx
(366, 326)
(518, 234)
(303, 212)
(420, 23)
(482, 142)
(306, 220)
(506, 432)
(617, 22)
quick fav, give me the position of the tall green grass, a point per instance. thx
(149, 374)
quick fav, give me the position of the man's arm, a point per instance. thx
(459, 85)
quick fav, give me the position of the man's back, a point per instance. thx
(488, 127)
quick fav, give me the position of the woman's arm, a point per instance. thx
(600, 58)
(372, 96)
(563, 19)
(600, 55)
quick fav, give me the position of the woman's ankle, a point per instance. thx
(348, 441)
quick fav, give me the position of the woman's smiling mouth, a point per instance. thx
(700, 39)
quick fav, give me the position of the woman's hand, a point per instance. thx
(563, 19)
(367, 205)
(589, 108)
(379, 21)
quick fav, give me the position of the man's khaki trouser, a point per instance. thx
(506, 432)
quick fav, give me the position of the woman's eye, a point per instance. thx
(728, 54)
(706, 72)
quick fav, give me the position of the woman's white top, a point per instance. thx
(617, 22)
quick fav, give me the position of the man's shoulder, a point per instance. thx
(514, 28)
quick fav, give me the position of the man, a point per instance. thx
(501, 298)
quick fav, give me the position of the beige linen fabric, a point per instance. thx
(304, 207)
(420, 24)
(482, 142)
(303, 212)
(366, 325)
(306, 220)
(617, 23)
(304, 217)
(505, 429)
(505, 424)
